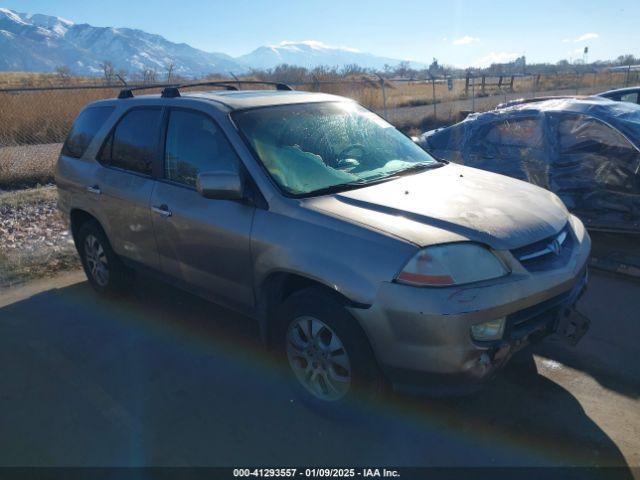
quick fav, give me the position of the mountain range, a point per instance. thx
(40, 43)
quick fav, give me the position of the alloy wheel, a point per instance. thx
(96, 259)
(318, 358)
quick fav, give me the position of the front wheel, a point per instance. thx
(318, 358)
(328, 354)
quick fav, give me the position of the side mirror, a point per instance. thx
(222, 185)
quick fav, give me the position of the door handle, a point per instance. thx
(95, 189)
(161, 210)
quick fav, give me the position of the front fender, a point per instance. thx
(346, 258)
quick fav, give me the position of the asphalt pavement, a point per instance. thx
(164, 378)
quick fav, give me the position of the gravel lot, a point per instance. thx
(35, 240)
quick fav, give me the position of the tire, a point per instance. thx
(104, 269)
(337, 367)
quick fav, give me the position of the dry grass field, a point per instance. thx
(30, 79)
(34, 123)
(45, 116)
(42, 116)
(417, 93)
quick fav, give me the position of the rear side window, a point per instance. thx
(133, 144)
(581, 134)
(84, 129)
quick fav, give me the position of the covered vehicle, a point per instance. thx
(583, 149)
(628, 94)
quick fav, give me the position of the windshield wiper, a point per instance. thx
(341, 187)
(418, 167)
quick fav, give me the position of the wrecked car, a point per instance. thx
(585, 150)
(362, 258)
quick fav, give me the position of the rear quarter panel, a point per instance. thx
(72, 176)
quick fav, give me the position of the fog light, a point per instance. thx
(491, 330)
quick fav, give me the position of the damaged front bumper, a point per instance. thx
(525, 327)
(556, 315)
(424, 338)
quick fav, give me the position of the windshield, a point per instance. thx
(309, 148)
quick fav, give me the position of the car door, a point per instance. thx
(596, 171)
(202, 242)
(125, 184)
(512, 145)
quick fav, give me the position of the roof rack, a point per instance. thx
(127, 92)
(173, 91)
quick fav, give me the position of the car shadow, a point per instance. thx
(161, 377)
(609, 350)
(526, 411)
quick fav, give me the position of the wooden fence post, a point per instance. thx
(433, 88)
(384, 96)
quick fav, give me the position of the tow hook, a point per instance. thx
(573, 326)
(489, 361)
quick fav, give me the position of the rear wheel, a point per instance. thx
(104, 269)
(327, 353)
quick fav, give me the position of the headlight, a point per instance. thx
(451, 264)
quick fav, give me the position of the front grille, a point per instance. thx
(547, 254)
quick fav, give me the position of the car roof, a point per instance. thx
(238, 99)
(598, 107)
(623, 116)
(620, 90)
(241, 99)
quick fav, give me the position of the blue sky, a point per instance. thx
(457, 32)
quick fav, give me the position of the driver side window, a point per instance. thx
(195, 144)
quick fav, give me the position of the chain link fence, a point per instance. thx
(34, 121)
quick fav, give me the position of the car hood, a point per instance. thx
(451, 203)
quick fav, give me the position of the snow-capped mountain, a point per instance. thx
(40, 43)
(311, 53)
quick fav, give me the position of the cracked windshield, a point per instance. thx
(311, 147)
